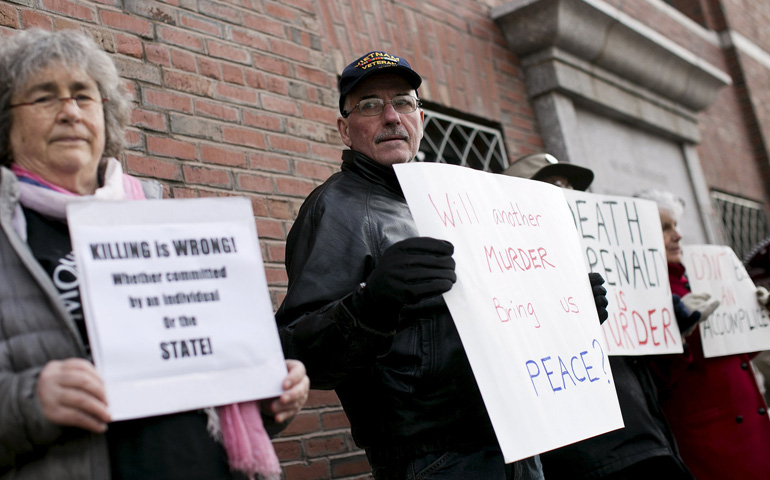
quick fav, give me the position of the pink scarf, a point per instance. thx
(243, 434)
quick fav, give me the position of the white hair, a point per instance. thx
(667, 201)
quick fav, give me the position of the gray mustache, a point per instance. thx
(393, 132)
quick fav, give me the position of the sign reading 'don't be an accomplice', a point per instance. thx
(176, 304)
(522, 304)
(740, 324)
(622, 240)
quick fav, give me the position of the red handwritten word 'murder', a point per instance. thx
(510, 258)
(640, 328)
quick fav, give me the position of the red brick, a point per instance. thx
(319, 113)
(148, 119)
(180, 38)
(324, 445)
(127, 23)
(201, 24)
(254, 183)
(233, 74)
(167, 100)
(255, 79)
(347, 466)
(313, 75)
(262, 24)
(334, 420)
(189, 83)
(280, 209)
(287, 144)
(304, 5)
(279, 104)
(271, 64)
(216, 110)
(318, 470)
(288, 450)
(32, 19)
(9, 16)
(276, 253)
(70, 9)
(289, 50)
(259, 206)
(243, 136)
(278, 85)
(221, 156)
(237, 94)
(207, 176)
(322, 398)
(168, 147)
(271, 163)
(183, 60)
(185, 192)
(219, 10)
(250, 39)
(154, 167)
(228, 52)
(209, 67)
(157, 54)
(264, 121)
(280, 12)
(128, 45)
(327, 152)
(271, 229)
(134, 139)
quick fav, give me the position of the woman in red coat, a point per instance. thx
(716, 411)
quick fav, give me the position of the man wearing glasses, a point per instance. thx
(364, 309)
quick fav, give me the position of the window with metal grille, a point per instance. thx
(744, 222)
(448, 139)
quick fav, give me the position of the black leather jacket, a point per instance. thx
(405, 392)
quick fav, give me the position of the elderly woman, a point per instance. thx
(62, 121)
(716, 411)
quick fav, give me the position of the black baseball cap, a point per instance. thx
(370, 64)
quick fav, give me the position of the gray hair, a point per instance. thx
(27, 52)
(667, 201)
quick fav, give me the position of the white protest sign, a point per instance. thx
(740, 324)
(622, 240)
(176, 304)
(522, 304)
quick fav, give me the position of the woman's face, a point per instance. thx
(61, 141)
(671, 237)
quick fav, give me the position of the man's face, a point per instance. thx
(390, 137)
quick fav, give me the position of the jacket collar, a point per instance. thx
(371, 171)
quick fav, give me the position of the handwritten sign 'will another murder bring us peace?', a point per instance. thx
(522, 304)
(176, 304)
(621, 239)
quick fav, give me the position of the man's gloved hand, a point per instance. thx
(408, 271)
(686, 320)
(701, 302)
(600, 295)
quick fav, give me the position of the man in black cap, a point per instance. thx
(364, 309)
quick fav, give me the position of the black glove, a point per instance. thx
(600, 295)
(408, 271)
(686, 319)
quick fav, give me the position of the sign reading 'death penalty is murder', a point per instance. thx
(176, 304)
(622, 240)
(740, 324)
(522, 304)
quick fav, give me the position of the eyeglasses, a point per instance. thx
(372, 107)
(52, 104)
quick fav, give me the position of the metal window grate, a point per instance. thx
(448, 139)
(744, 222)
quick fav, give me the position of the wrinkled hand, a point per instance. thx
(72, 394)
(686, 319)
(296, 386)
(600, 295)
(763, 296)
(701, 302)
(408, 271)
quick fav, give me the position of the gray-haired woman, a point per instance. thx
(62, 121)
